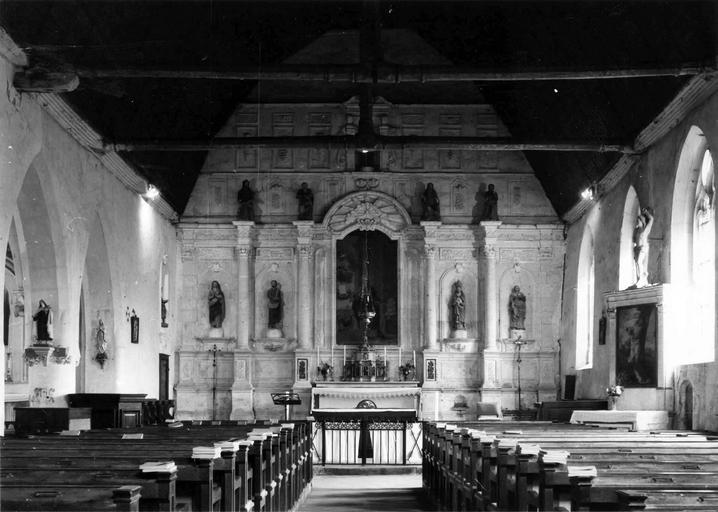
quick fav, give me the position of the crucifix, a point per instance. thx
(214, 351)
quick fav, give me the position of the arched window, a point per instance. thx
(627, 267)
(693, 255)
(585, 303)
(703, 261)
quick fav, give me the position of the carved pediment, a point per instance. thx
(366, 211)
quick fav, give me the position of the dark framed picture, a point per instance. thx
(602, 330)
(134, 329)
(302, 369)
(637, 346)
(431, 369)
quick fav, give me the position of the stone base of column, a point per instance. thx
(242, 403)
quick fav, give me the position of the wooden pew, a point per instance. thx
(460, 474)
(194, 477)
(107, 498)
(158, 488)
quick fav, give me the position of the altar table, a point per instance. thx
(637, 420)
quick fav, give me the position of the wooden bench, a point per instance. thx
(33, 498)
(468, 469)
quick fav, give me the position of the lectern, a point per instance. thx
(286, 398)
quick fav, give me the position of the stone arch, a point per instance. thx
(17, 324)
(367, 210)
(687, 172)
(42, 269)
(97, 296)
(682, 231)
(626, 267)
(585, 301)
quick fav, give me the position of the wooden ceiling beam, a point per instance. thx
(386, 73)
(36, 79)
(363, 143)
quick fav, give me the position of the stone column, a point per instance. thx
(244, 316)
(490, 298)
(304, 282)
(430, 303)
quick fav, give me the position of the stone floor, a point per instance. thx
(364, 492)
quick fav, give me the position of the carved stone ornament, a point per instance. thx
(367, 210)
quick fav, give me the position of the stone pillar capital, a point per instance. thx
(488, 251)
(430, 252)
(244, 231)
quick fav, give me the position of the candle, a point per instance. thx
(318, 361)
(413, 355)
(385, 353)
(345, 354)
(332, 358)
(399, 356)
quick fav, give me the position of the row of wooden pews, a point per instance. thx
(192, 466)
(538, 465)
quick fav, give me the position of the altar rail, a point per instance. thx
(361, 439)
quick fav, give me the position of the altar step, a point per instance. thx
(371, 469)
(366, 492)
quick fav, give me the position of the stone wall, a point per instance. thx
(76, 228)
(653, 177)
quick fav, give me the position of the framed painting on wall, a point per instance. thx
(134, 329)
(637, 345)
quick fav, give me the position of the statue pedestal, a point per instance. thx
(515, 334)
(274, 345)
(274, 333)
(464, 344)
(216, 332)
(459, 334)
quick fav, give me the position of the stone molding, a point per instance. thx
(367, 211)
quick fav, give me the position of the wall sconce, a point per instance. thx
(152, 192)
(591, 193)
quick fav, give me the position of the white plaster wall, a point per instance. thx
(653, 179)
(74, 189)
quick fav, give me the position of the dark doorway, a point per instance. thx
(380, 274)
(164, 377)
(687, 409)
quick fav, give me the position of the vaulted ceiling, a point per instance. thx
(169, 71)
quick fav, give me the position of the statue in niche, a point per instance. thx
(275, 306)
(517, 309)
(430, 203)
(216, 305)
(491, 200)
(644, 223)
(305, 198)
(245, 197)
(458, 307)
(43, 323)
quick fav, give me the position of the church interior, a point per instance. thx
(381, 222)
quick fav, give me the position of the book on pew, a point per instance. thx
(158, 467)
(175, 424)
(554, 457)
(582, 471)
(138, 435)
(206, 452)
(227, 446)
(70, 433)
